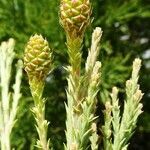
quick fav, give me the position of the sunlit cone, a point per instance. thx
(37, 58)
(75, 16)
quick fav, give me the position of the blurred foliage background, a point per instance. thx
(126, 33)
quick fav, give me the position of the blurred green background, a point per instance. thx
(125, 25)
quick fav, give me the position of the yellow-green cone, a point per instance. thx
(75, 16)
(37, 58)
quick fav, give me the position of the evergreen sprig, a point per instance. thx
(82, 88)
(8, 100)
(122, 127)
(38, 63)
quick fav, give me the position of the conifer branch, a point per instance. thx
(37, 61)
(123, 126)
(9, 101)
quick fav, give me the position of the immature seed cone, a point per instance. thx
(37, 58)
(75, 16)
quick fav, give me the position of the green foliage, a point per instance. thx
(124, 23)
(113, 74)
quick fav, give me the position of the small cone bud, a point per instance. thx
(75, 16)
(37, 58)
